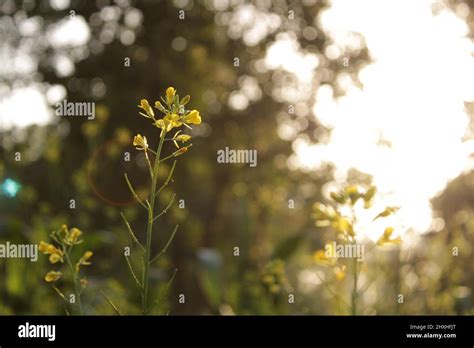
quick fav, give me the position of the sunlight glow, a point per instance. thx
(407, 126)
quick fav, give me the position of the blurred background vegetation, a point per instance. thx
(114, 53)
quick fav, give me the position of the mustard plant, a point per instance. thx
(341, 219)
(175, 115)
(66, 240)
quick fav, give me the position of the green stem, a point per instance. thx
(354, 288)
(77, 293)
(151, 210)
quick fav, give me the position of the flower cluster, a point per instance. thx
(67, 239)
(341, 217)
(175, 116)
(274, 277)
(344, 224)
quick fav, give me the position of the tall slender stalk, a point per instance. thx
(75, 280)
(355, 275)
(175, 116)
(149, 232)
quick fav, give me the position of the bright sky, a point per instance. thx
(28, 102)
(412, 97)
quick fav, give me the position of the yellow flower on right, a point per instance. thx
(386, 239)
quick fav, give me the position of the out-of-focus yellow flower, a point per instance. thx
(87, 255)
(83, 282)
(170, 93)
(54, 258)
(144, 105)
(192, 118)
(52, 276)
(340, 272)
(49, 249)
(46, 248)
(388, 211)
(140, 142)
(84, 260)
(343, 225)
(63, 232)
(386, 239)
(321, 258)
(73, 236)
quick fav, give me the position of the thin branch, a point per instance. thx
(166, 209)
(60, 294)
(167, 179)
(368, 284)
(134, 193)
(166, 246)
(164, 291)
(111, 304)
(132, 272)
(132, 235)
(174, 154)
(150, 169)
(338, 297)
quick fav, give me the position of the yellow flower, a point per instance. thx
(45, 247)
(147, 108)
(74, 234)
(343, 225)
(386, 239)
(183, 138)
(169, 122)
(388, 211)
(140, 142)
(87, 255)
(63, 232)
(84, 260)
(193, 117)
(53, 258)
(55, 254)
(170, 93)
(52, 276)
(160, 106)
(340, 272)
(180, 137)
(320, 258)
